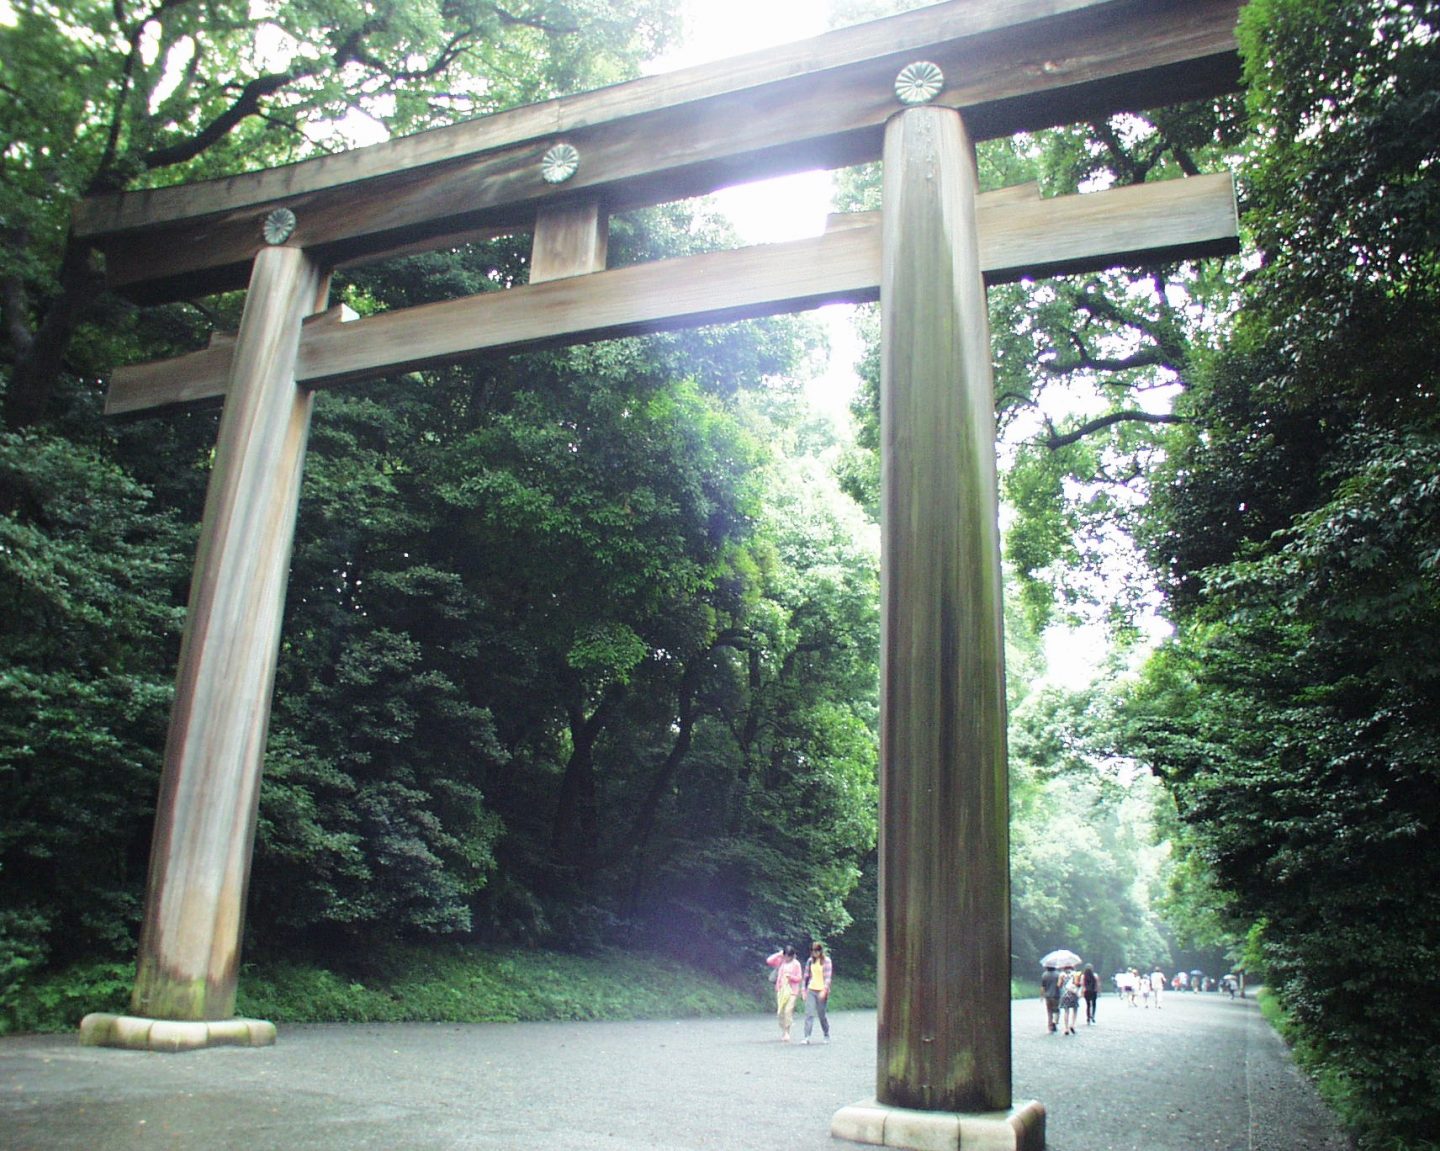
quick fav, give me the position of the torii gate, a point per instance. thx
(914, 90)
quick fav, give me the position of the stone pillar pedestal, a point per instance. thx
(1021, 1128)
(137, 1034)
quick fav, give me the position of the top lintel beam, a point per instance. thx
(1010, 65)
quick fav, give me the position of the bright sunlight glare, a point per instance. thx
(788, 207)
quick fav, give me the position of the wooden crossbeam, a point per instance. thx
(1020, 235)
(1009, 65)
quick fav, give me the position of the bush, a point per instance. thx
(451, 984)
(58, 1000)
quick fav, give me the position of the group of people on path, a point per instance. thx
(1134, 985)
(797, 982)
(1063, 990)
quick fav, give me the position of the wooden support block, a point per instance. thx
(570, 240)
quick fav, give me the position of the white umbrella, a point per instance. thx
(1061, 958)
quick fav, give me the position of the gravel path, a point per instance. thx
(1203, 1074)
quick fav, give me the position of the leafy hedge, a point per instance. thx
(434, 984)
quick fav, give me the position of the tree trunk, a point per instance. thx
(40, 358)
(575, 829)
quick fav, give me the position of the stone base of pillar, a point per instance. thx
(130, 1031)
(1022, 1128)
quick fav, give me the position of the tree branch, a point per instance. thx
(536, 22)
(246, 104)
(1083, 361)
(1057, 440)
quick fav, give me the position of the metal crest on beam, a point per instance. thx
(1009, 66)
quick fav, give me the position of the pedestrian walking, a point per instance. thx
(818, 973)
(1157, 987)
(1050, 994)
(788, 977)
(1069, 1000)
(1090, 990)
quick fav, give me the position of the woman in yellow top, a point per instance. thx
(817, 991)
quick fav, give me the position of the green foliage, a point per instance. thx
(571, 656)
(1294, 717)
(776, 816)
(434, 984)
(1297, 731)
(102, 97)
(564, 659)
(88, 571)
(58, 999)
(1082, 869)
(1085, 367)
(439, 984)
(22, 953)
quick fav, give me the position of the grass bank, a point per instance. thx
(442, 984)
(448, 984)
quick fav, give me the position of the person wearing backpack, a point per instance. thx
(1050, 992)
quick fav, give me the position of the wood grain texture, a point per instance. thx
(570, 240)
(944, 913)
(1020, 234)
(209, 791)
(1012, 66)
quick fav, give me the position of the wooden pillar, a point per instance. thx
(209, 790)
(944, 1011)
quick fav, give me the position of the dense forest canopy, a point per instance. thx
(580, 647)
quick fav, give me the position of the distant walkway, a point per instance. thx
(1203, 1074)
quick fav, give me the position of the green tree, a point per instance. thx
(537, 610)
(1294, 715)
(1086, 367)
(97, 98)
(101, 97)
(777, 821)
(1083, 862)
(87, 572)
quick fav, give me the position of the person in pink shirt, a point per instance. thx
(788, 977)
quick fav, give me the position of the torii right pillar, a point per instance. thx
(943, 1065)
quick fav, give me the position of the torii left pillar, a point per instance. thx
(189, 954)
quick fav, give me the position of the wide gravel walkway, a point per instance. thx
(1203, 1074)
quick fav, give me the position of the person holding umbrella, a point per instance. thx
(1052, 982)
(1069, 1000)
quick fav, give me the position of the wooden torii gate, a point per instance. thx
(914, 90)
